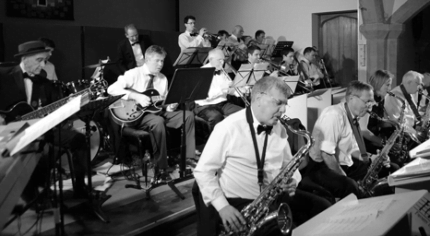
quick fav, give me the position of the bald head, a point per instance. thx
(238, 31)
(216, 58)
(412, 81)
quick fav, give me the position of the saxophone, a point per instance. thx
(257, 213)
(423, 131)
(370, 181)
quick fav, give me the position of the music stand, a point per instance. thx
(86, 113)
(277, 52)
(192, 57)
(249, 74)
(188, 84)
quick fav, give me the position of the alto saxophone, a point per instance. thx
(370, 181)
(257, 213)
(423, 131)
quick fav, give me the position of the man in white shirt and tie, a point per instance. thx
(148, 76)
(187, 40)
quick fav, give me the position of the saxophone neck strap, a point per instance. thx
(260, 162)
(410, 102)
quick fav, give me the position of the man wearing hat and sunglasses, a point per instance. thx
(23, 83)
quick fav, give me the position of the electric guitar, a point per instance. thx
(23, 111)
(129, 112)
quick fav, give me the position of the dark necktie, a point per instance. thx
(151, 82)
(26, 75)
(134, 43)
(266, 129)
(217, 72)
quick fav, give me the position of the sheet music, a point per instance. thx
(424, 147)
(352, 217)
(418, 167)
(43, 125)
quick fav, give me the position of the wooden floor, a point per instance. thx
(128, 210)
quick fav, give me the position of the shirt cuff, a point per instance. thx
(328, 147)
(220, 202)
(126, 95)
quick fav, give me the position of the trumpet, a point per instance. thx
(213, 36)
(282, 70)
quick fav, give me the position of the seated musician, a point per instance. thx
(407, 91)
(338, 157)
(22, 83)
(253, 54)
(131, 49)
(215, 106)
(186, 40)
(423, 99)
(288, 66)
(308, 69)
(136, 81)
(260, 35)
(227, 172)
(236, 46)
(49, 67)
(374, 130)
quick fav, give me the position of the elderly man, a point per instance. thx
(407, 92)
(236, 46)
(308, 69)
(133, 83)
(131, 49)
(22, 83)
(187, 40)
(215, 106)
(244, 153)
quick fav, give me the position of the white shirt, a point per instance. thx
(138, 54)
(333, 135)
(393, 107)
(137, 79)
(218, 89)
(185, 40)
(28, 84)
(230, 153)
(50, 71)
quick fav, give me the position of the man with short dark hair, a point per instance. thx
(253, 54)
(260, 35)
(308, 69)
(49, 67)
(131, 49)
(187, 40)
(133, 83)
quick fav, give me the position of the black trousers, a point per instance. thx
(304, 205)
(339, 185)
(156, 125)
(215, 113)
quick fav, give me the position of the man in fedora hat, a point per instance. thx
(23, 83)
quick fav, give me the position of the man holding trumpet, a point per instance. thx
(187, 40)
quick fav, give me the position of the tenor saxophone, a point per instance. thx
(371, 181)
(257, 213)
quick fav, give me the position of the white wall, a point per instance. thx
(281, 19)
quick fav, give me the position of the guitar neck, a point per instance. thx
(42, 112)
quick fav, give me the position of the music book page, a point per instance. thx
(351, 217)
(43, 125)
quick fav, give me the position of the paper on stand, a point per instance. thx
(43, 125)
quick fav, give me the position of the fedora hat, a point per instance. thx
(31, 47)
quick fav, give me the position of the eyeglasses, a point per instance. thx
(277, 101)
(191, 23)
(369, 103)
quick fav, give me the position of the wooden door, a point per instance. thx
(338, 46)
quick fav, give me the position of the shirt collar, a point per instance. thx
(256, 122)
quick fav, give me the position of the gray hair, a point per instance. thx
(155, 49)
(266, 84)
(356, 87)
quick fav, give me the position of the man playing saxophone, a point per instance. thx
(339, 157)
(244, 153)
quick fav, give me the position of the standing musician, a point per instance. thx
(308, 69)
(339, 157)
(407, 90)
(22, 83)
(148, 76)
(215, 106)
(186, 40)
(227, 172)
(131, 49)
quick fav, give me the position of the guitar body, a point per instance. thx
(16, 112)
(129, 113)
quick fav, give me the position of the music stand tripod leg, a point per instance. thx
(94, 204)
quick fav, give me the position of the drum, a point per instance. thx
(60, 90)
(76, 86)
(96, 135)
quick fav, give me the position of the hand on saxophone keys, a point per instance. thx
(290, 187)
(232, 219)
